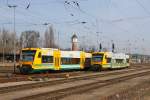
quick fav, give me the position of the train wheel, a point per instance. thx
(98, 68)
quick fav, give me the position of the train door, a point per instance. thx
(106, 63)
(37, 60)
(57, 60)
(109, 62)
(82, 60)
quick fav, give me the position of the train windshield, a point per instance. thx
(97, 57)
(28, 55)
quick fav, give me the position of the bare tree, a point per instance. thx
(49, 40)
(29, 39)
(7, 44)
(6, 41)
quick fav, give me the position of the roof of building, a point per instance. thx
(74, 36)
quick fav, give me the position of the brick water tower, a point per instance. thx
(74, 40)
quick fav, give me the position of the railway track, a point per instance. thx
(18, 77)
(136, 92)
(61, 93)
(60, 81)
(10, 77)
(4, 90)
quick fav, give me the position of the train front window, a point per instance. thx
(28, 55)
(97, 58)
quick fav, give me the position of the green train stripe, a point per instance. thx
(115, 65)
(75, 66)
(51, 66)
(43, 66)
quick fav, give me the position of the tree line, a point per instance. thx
(27, 39)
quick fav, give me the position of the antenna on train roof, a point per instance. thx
(100, 47)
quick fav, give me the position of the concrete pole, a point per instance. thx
(14, 8)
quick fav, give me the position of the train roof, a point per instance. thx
(70, 54)
(119, 55)
(113, 55)
(107, 53)
(49, 49)
(30, 48)
(39, 49)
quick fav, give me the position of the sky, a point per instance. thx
(124, 22)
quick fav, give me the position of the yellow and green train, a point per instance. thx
(109, 60)
(47, 59)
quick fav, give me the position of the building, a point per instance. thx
(74, 40)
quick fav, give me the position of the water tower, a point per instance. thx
(74, 40)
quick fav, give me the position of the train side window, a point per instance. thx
(75, 60)
(66, 60)
(108, 60)
(119, 60)
(47, 59)
(39, 55)
(70, 60)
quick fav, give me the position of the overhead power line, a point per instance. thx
(130, 18)
(142, 6)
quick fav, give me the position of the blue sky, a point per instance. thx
(126, 22)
